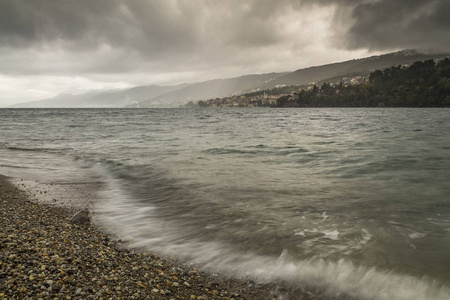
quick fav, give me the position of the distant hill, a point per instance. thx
(62, 100)
(363, 66)
(422, 84)
(130, 96)
(109, 98)
(211, 89)
(244, 84)
(167, 96)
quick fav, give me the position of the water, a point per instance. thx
(351, 203)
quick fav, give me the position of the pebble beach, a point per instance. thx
(43, 255)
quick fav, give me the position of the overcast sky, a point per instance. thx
(49, 47)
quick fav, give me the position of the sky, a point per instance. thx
(48, 47)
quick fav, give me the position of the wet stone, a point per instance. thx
(43, 257)
(82, 217)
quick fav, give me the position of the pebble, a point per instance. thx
(43, 255)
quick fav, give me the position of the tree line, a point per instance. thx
(422, 84)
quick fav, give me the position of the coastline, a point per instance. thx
(43, 255)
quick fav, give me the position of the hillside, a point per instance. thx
(170, 96)
(423, 84)
(62, 100)
(211, 89)
(241, 85)
(354, 67)
(109, 98)
(133, 95)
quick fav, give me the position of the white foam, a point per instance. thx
(332, 278)
(332, 234)
(366, 237)
(416, 235)
(324, 216)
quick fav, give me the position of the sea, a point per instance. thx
(344, 203)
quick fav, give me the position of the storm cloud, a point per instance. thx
(123, 43)
(386, 24)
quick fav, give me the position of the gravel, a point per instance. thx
(43, 255)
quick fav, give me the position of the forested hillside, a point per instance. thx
(423, 84)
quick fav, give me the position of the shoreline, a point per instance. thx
(43, 255)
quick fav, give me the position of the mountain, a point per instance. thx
(422, 84)
(169, 96)
(355, 67)
(62, 100)
(330, 72)
(133, 95)
(210, 89)
(109, 98)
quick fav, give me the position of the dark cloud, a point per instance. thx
(146, 26)
(172, 41)
(26, 23)
(160, 28)
(388, 24)
(155, 34)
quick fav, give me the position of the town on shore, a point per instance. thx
(422, 84)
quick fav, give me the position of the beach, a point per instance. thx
(43, 255)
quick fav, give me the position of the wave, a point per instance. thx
(258, 150)
(23, 149)
(14, 166)
(150, 229)
(224, 151)
(42, 149)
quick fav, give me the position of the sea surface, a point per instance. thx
(348, 203)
